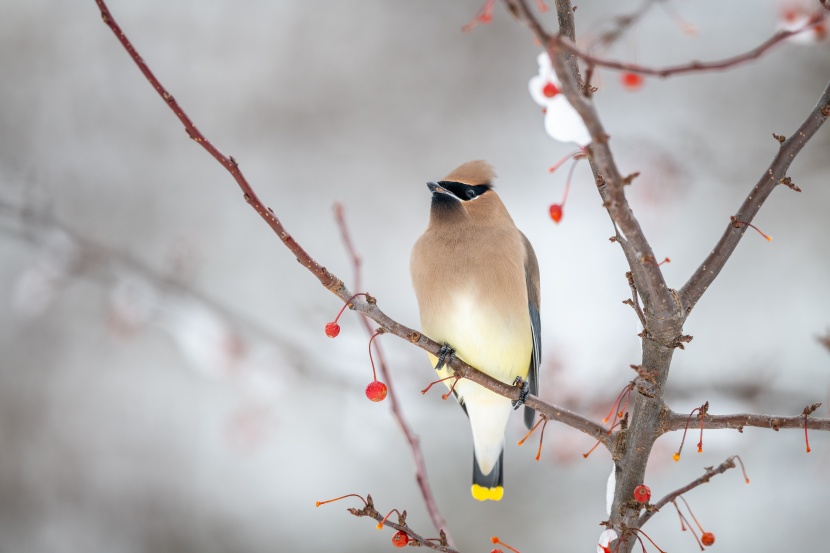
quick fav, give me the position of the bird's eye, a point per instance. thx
(471, 193)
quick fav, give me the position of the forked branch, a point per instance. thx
(710, 472)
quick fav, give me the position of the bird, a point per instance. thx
(476, 279)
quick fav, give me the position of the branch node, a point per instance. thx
(825, 110)
(788, 182)
(647, 389)
(630, 178)
(779, 137)
(683, 338)
(414, 336)
(335, 285)
(775, 424)
(600, 180)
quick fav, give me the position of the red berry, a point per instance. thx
(708, 538)
(332, 330)
(550, 90)
(642, 493)
(376, 390)
(400, 539)
(556, 212)
(631, 81)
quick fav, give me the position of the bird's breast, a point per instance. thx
(485, 333)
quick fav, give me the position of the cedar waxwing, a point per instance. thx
(477, 282)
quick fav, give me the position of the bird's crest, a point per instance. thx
(473, 173)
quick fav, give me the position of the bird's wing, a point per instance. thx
(533, 299)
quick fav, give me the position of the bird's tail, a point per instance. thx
(488, 486)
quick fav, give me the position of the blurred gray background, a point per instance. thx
(165, 381)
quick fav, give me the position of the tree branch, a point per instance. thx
(774, 175)
(334, 284)
(591, 61)
(710, 472)
(677, 421)
(370, 511)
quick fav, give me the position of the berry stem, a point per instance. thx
(531, 431)
(585, 455)
(484, 15)
(613, 410)
(452, 388)
(562, 161)
(639, 532)
(431, 384)
(377, 333)
(692, 513)
(692, 530)
(382, 522)
(497, 541)
(685, 430)
(318, 503)
(541, 439)
(737, 222)
(743, 470)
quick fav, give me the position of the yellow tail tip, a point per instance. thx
(484, 494)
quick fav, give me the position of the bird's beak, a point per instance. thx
(436, 188)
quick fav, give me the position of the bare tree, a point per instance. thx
(661, 310)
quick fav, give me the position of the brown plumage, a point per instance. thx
(477, 282)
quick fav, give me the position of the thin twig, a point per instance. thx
(738, 421)
(710, 472)
(567, 43)
(634, 302)
(623, 23)
(412, 439)
(699, 282)
(228, 162)
(370, 511)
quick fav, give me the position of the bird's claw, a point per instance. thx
(525, 386)
(443, 355)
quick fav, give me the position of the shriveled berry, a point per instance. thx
(642, 493)
(400, 539)
(376, 390)
(332, 329)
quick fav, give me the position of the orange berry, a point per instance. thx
(631, 81)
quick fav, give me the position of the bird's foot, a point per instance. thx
(445, 356)
(525, 386)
